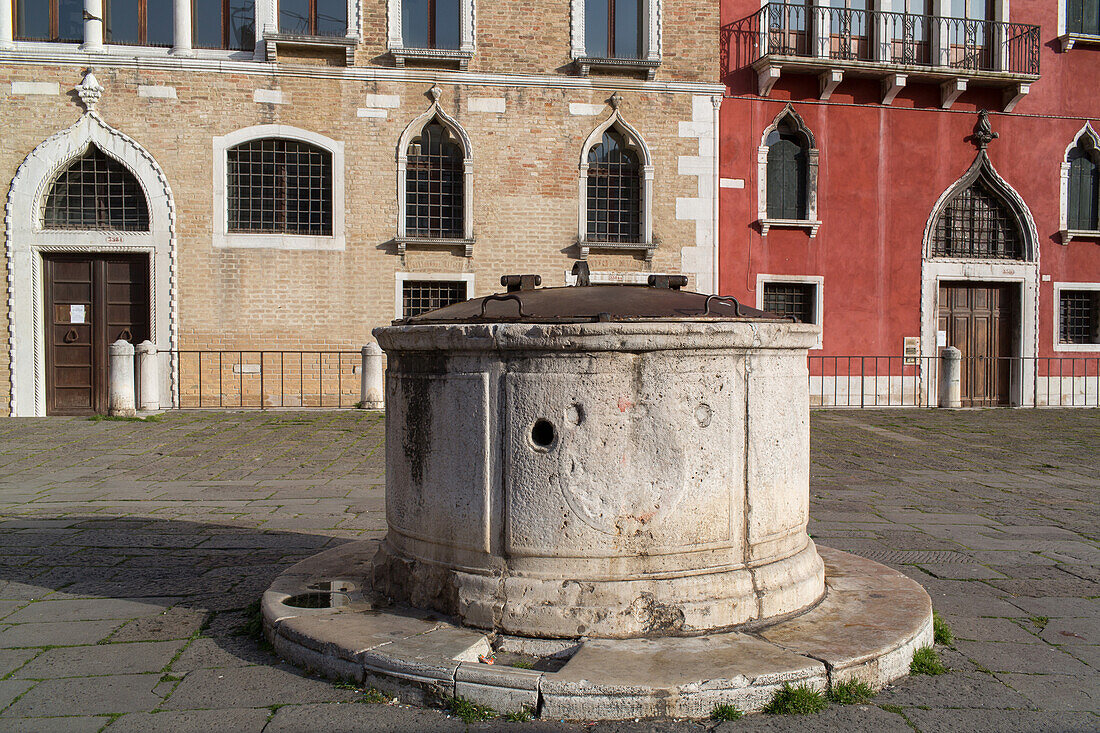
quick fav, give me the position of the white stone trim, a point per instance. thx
(1066, 234)
(935, 270)
(701, 259)
(401, 277)
(652, 32)
(467, 38)
(817, 281)
(1057, 317)
(811, 223)
(222, 238)
(413, 129)
(615, 119)
(27, 242)
(42, 88)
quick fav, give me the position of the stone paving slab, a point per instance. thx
(86, 661)
(102, 511)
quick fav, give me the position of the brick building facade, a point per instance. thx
(522, 93)
(861, 190)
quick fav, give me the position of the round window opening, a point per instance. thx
(542, 433)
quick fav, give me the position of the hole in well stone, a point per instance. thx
(309, 600)
(542, 433)
(575, 414)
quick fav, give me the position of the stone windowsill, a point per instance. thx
(1069, 40)
(272, 41)
(587, 245)
(1068, 235)
(404, 242)
(810, 225)
(587, 63)
(442, 56)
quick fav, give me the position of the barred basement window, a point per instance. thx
(791, 299)
(434, 186)
(421, 296)
(977, 224)
(1079, 318)
(614, 191)
(279, 186)
(96, 192)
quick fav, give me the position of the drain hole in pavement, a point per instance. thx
(310, 600)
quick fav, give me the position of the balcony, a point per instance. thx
(895, 48)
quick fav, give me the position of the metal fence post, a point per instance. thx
(371, 394)
(121, 379)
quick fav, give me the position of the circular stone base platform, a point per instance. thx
(319, 614)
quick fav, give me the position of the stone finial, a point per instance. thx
(615, 101)
(983, 131)
(89, 91)
(435, 92)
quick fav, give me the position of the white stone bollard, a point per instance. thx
(371, 395)
(149, 397)
(950, 377)
(120, 379)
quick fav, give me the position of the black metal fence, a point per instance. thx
(267, 379)
(783, 29)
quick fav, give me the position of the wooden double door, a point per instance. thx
(982, 321)
(91, 301)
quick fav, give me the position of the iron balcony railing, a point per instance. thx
(876, 36)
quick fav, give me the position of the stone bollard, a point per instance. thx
(149, 396)
(950, 377)
(372, 397)
(120, 379)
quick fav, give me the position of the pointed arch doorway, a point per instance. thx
(979, 287)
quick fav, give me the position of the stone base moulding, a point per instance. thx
(866, 628)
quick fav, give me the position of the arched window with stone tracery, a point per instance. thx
(614, 190)
(96, 192)
(434, 184)
(977, 223)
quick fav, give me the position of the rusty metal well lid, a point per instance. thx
(661, 300)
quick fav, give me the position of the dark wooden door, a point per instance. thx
(91, 301)
(981, 321)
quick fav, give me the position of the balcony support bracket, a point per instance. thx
(766, 78)
(891, 85)
(1013, 95)
(950, 91)
(828, 82)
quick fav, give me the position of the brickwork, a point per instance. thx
(525, 160)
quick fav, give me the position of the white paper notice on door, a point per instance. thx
(941, 338)
(76, 313)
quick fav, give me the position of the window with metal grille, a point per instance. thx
(96, 192)
(788, 161)
(49, 20)
(431, 23)
(614, 191)
(977, 224)
(227, 24)
(313, 17)
(1084, 187)
(434, 185)
(1079, 319)
(1083, 16)
(613, 28)
(279, 186)
(421, 296)
(791, 299)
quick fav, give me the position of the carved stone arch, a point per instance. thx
(1086, 133)
(411, 131)
(638, 143)
(813, 157)
(982, 170)
(27, 242)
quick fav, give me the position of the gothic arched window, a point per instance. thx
(96, 192)
(434, 184)
(614, 190)
(977, 223)
(1084, 186)
(788, 168)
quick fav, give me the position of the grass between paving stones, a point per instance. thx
(518, 716)
(896, 710)
(799, 700)
(725, 711)
(926, 661)
(941, 632)
(468, 711)
(253, 627)
(1039, 621)
(852, 692)
(119, 418)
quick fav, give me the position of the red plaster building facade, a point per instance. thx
(861, 189)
